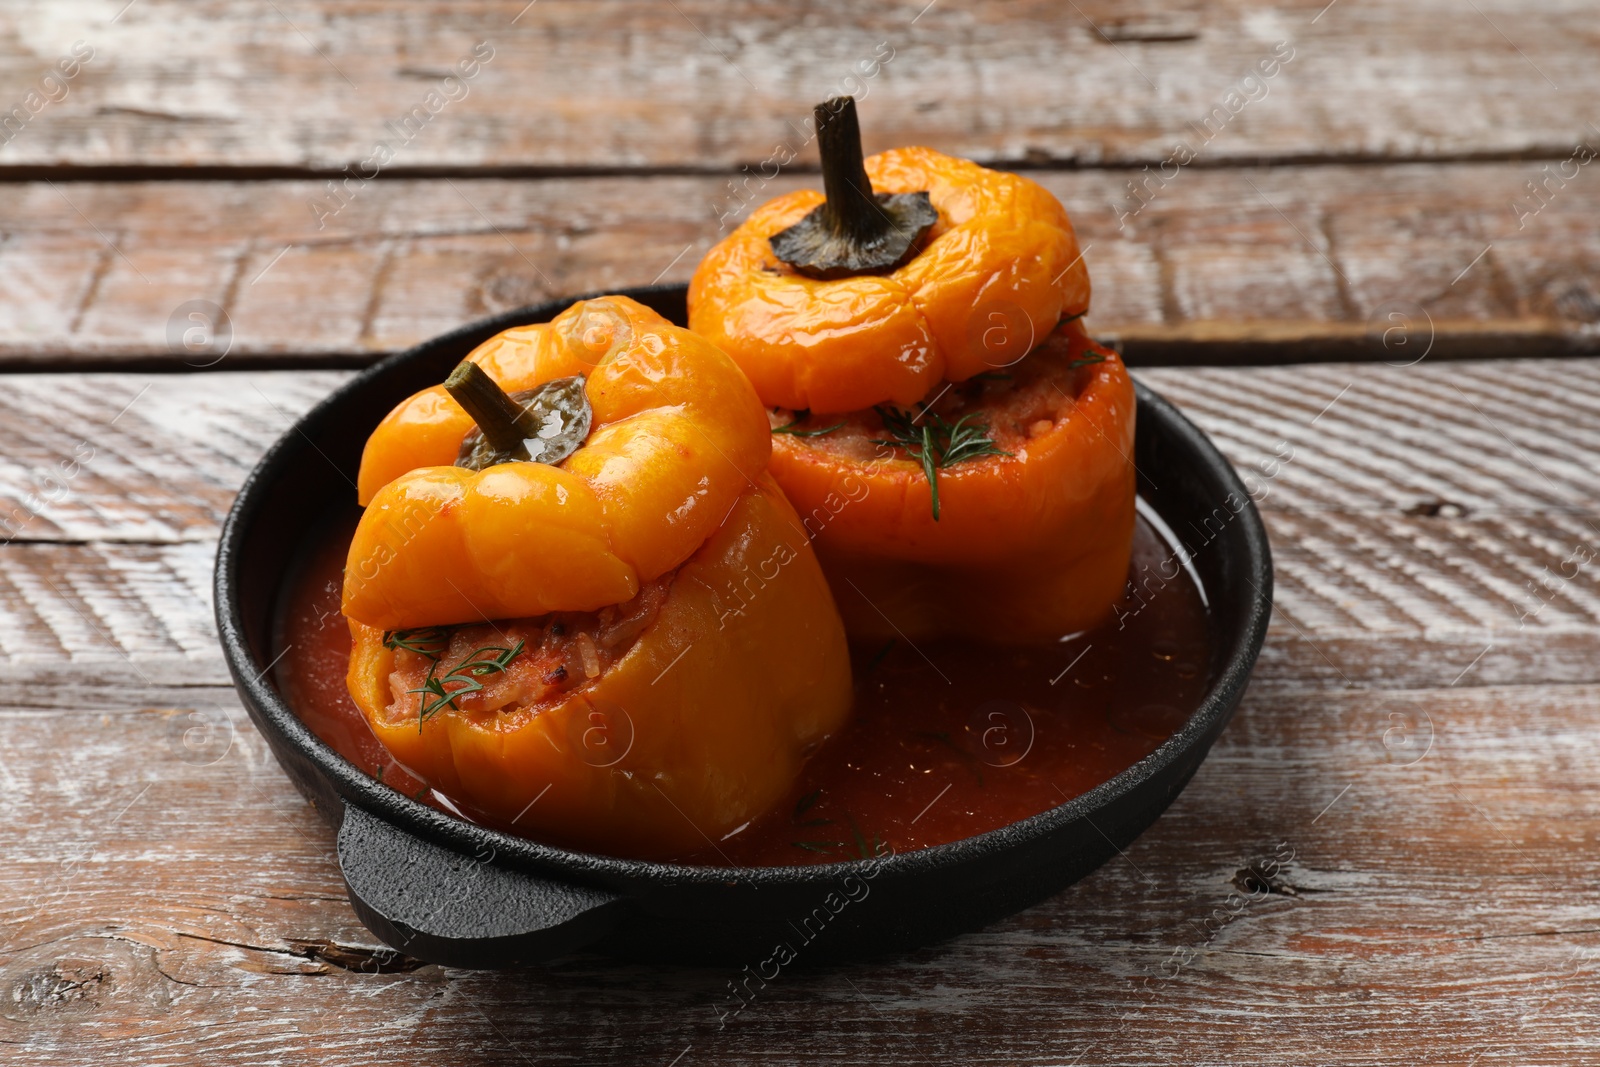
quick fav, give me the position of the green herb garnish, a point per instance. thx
(802, 416)
(936, 443)
(816, 846)
(863, 851)
(966, 757)
(430, 641)
(805, 803)
(882, 652)
(1087, 361)
(436, 692)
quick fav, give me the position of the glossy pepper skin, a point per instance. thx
(713, 710)
(677, 437)
(740, 674)
(1001, 260)
(1028, 548)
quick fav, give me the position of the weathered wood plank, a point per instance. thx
(157, 458)
(1429, 814)
(1424, 519)
(84, 624)
(1417, 736)
(152, 459)
(317, 83)
(166, 905)
(1219, 265)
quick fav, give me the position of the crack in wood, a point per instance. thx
(1113, 35)
(1035, 158)
(388, 253)
(1254, 881)
(101, 268)
(1341, 282)
(356, 958)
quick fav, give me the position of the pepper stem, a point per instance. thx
(854, 230)
(496, 414)
(849, 210)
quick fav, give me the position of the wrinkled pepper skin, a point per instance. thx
(1028, 547)
(713, 708)
(1002, 259)
(678, 436)
(744, 671)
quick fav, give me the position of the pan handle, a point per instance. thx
(444, 907)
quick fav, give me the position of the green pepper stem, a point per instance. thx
(496, 414)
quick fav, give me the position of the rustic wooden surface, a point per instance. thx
(701, 85)
(1224, 265)
(1419, 736)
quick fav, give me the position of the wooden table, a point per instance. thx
(1341, 271)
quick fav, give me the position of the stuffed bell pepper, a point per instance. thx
(957, 446)
(581, 608)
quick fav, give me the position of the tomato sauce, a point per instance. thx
(947, 739)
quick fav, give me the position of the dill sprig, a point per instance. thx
(966, 757)
(863, 850)
(936, 442)
(803, 805)
(799, 417)
(859, 844)
(882, 652)
(1087, 361)
(436, 692)
(430, 641)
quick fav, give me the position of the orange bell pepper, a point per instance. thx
(632, 650)
(1001, 505)
(999, 269)
(677, 437)
(1029, 546)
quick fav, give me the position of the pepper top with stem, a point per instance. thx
(497, 415)
(554, 419)
(853, 231)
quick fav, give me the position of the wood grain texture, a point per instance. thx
(1435, 907)
(1418, 514)
(1414, 754)
(697, 84)
(1349, 262)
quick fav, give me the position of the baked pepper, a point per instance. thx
(961, 451)
(996, 270)
(627, 647)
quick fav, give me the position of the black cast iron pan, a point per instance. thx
(447, 891)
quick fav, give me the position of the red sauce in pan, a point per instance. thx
(948, 739)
